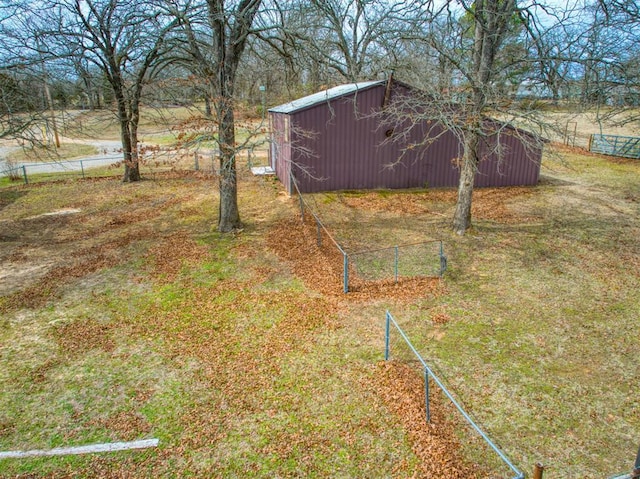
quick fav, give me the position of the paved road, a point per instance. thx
(109, 152)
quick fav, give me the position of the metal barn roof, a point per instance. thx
(323, 96)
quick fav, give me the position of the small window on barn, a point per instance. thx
(287, 128)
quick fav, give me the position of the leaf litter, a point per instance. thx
(239, 366)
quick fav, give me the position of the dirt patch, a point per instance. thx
(14, 275)
(86, 261)
(45, 252)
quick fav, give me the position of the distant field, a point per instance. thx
(163, 126)
(579, 127)
(575, 128)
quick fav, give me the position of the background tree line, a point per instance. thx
(505, 58)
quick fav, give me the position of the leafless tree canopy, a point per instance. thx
(503, 59)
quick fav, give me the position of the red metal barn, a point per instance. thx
(332, 140)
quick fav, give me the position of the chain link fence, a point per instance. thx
(474, 440)
(426, 259)
(402, 261)
(204, 161)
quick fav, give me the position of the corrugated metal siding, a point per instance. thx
(280, 150)
(519, 163)
(349, 151)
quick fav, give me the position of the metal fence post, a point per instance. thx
(443, 260)
(426, 394)
(318, 233)
(24, 174)
(386, 336)
(82, 168)
(301, 206)
(396, 264)
(537, 471)
(345, 273)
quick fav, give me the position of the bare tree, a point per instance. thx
(352, 39)
(476, 54)
(611, 61)
(474, 51)
(23, 104)
(216, 35)
(123, 40)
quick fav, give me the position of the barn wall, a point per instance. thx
(518, 165)
(350, 148)
(280, 152)
(338, 145)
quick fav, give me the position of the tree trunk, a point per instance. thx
(207, 107)
(132, 164)
(134, 121)
(491, 18)
(128, 135)
(129, 152)
(468, 168)
(229, 216)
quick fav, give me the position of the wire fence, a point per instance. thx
(201, 160)
(55, 170)
(425, 259)
(204, 161)
(29, 173)
(404, 349)
(409, 260)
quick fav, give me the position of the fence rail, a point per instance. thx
(104, 166)
(625, 146)
(410, 260)
(407, 260)
(40, 172)
(429, 374)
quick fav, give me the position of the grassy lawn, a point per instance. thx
(124, 316)
(538, 330)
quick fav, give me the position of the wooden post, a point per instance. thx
(537, 471)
